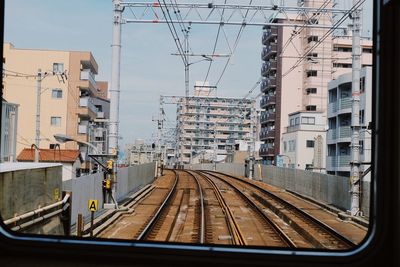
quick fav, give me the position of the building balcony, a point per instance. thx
(88, 75)
(267, 67)
(271, 116)
(267, 152)
(99, 132)
(332, 134)
(332, 109)
(263, 102)
(344, 132)
(331, 163)
(268, 35)
(344, 103)
(269, 51)
(82, 129)
(87, 108)
(343, 161)
(271, 81)
(268, 83)
(100, 115)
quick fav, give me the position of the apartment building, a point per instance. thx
(71, 101)
(339, 122)
(304, 142)
(209, 126)
(291, 86)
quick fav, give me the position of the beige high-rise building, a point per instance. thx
(291, 86)
(71, 101)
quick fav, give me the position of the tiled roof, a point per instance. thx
(50, 155)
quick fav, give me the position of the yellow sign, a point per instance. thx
(93, 205)
(56, 194)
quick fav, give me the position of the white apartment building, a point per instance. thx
(339, 122)
(304, 142)
(209, 126)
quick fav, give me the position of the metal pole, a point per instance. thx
(159, 128)
(355, 120)
(252, 141)
(38, 89)
(115, 87)
(115, 78)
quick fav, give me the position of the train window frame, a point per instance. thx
(380, 243)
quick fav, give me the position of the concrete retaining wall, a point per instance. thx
(25, 187)
(329, 189)
(84, 188)
(230, 168)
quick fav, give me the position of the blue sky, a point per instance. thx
(147, 68)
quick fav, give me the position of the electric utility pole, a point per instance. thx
(38, 93)
(355, 114)
(115, 78)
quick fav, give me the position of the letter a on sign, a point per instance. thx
(93, 205)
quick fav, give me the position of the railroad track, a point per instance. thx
(178, 214)
(205, 207)
(273, 235)
(315, 232)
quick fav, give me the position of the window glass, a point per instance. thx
(56, 93)
(208, 118)
(55, 121)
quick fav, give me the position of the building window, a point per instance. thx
(297, 121)
(58, 68)
(362, 85)
(52, 146)
(55, 121)
(56, 93)
(312, 39)
(311, 91)
(312, 56)
(292, 145)
(310, 143)
(362, 116)
(342, 65)
(361, 148)
(311, 108)
(284, 146)
(312, 73)
(342, 48)
(308, 120)
(367, 50)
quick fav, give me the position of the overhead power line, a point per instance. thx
(333, 28)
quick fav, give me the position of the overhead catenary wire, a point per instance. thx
(333, 28)
(172, 29)
(297, 32)
(215, 44)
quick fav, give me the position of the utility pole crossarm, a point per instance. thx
(219, 14)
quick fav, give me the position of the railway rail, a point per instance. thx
(319, 234)
(206, 207)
